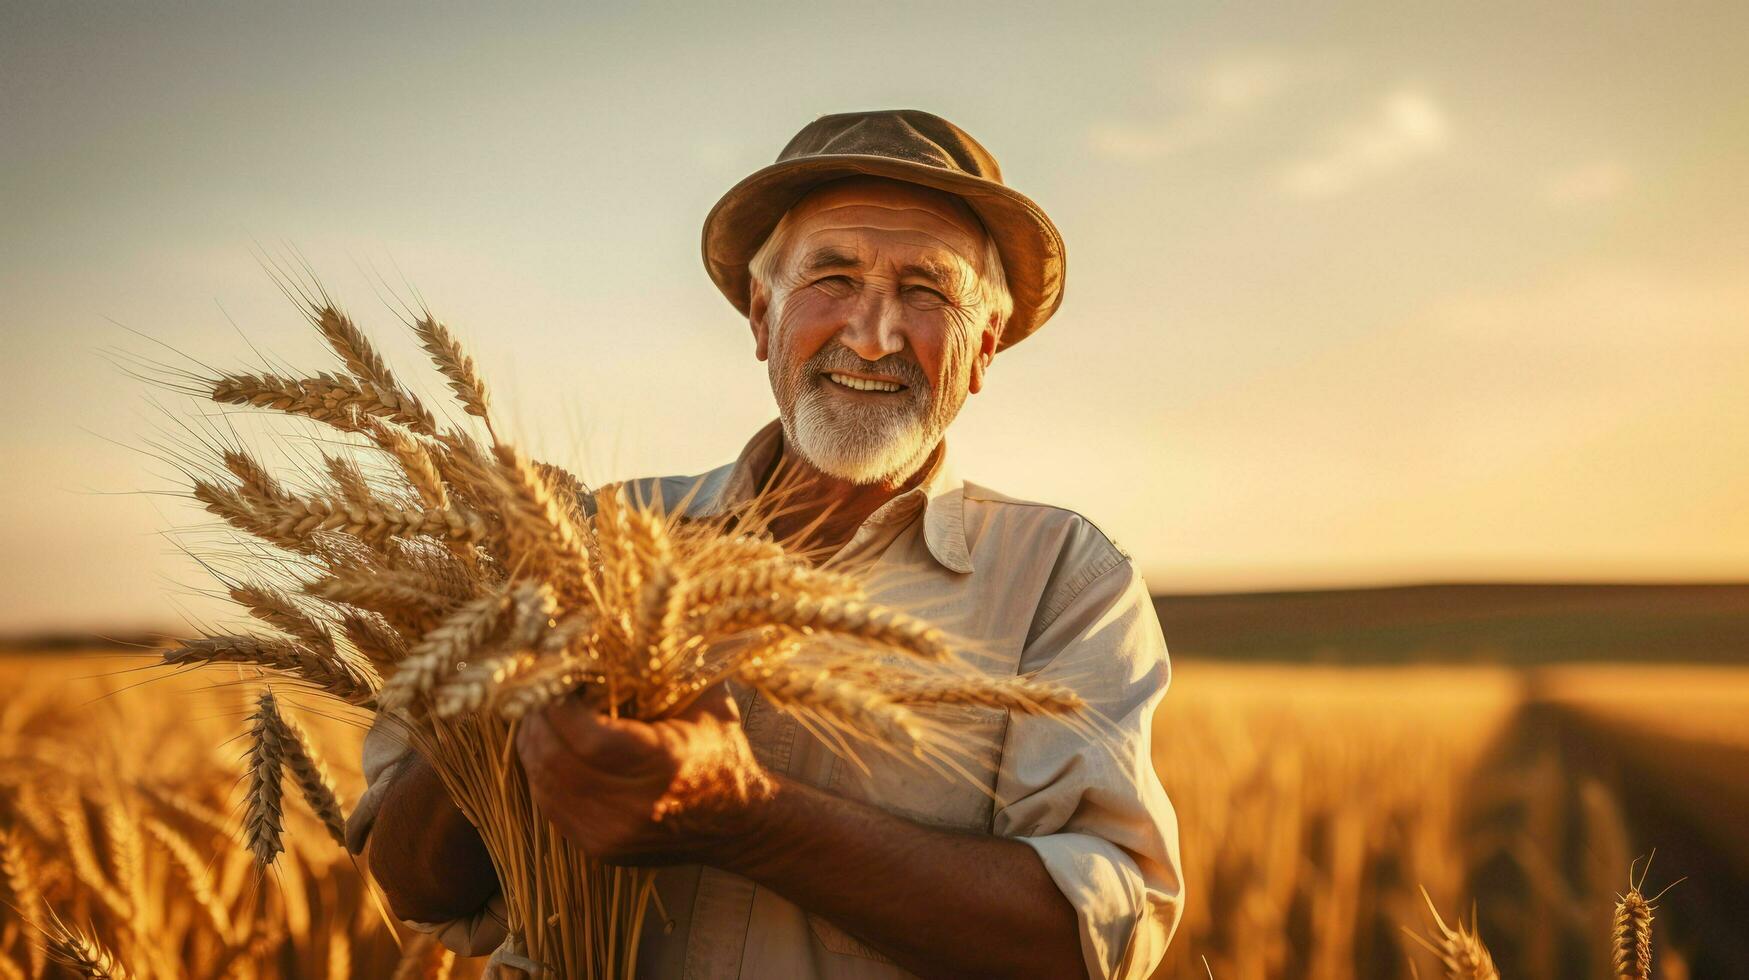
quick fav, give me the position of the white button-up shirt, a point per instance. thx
(1036, 590)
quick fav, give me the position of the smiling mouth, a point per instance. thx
(862, 384)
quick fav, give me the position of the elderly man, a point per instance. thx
(881, 264)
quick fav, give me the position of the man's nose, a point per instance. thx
(872, 328)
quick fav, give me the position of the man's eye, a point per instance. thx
(926, 289)
(833, 279)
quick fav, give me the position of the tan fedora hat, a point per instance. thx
(903, 144)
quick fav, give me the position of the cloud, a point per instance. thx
(1589, 184)
(1406, 127)
(1211, 102)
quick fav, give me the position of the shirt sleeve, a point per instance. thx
(1083, 793)
(386, 754)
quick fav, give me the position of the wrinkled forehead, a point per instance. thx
(892, 206)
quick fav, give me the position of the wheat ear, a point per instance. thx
(337, 401)
(1021, 694)
(455, 364)
(341, 675)
(312, 779)
(194, 873)
(1631, 938)
(249, 471)
(126, 855)
(351, 346)
(263, 821)
(83, 954)
(280, 611)
(875, 624)
(417, 459)
(445, 650)
(21, 884)
(1461, 952)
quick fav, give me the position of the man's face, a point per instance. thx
(875, 327)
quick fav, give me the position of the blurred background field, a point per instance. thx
(1437, 742)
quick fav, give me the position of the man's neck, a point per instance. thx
(819, 512)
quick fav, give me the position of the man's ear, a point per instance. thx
(758, 305)
(986, 353)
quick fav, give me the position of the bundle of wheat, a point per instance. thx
(465, 585)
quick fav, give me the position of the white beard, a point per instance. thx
(860, 444)
(868, 447)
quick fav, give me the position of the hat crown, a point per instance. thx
(901, 134)
(907, 145)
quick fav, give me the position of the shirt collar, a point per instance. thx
(941, 495)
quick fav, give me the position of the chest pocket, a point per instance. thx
(955, 791)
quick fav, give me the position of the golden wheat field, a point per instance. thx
(1314, 803)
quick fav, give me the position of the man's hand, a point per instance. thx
(630, 792)
(688, 790)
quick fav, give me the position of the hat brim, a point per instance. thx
(1031, 248)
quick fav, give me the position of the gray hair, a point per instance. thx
(992, 277)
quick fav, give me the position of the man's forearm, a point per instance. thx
(941, 903)
(429, 859)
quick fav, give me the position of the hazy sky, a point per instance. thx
(1366, 292)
